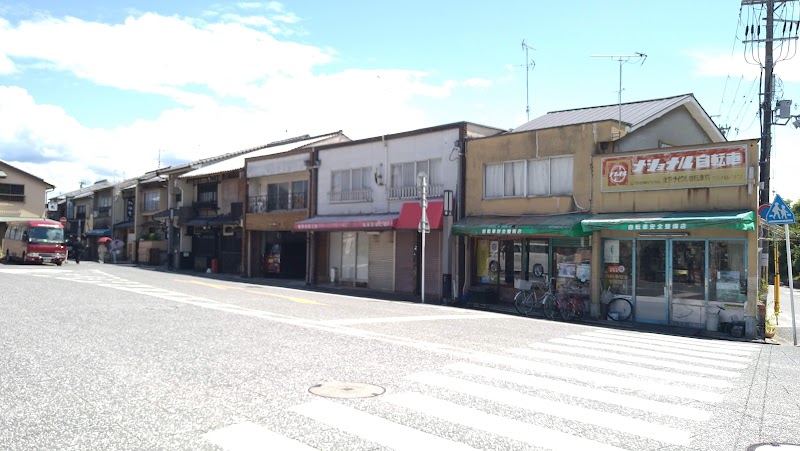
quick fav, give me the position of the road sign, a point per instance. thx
(779, 212)
(63, 220)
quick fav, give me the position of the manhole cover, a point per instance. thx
(346, 390)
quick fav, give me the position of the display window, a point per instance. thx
(502, 261)
(727, 271)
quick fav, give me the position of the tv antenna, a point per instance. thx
(529, 65)
(636, 57)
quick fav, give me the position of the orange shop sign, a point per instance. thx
(717, 166)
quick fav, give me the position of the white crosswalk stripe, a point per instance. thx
(599, 403)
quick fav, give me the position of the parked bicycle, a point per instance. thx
(533, 294)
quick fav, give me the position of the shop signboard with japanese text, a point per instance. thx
(716, 166)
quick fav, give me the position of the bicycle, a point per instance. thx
(527, 299)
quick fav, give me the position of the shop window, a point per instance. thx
(727, 271)
(618, 266)
(572, 268)
(505, 260)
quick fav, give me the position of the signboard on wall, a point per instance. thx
(718, 166)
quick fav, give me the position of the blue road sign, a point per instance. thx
(779, 212)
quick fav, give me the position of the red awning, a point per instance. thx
(362, 222)
(411, 212)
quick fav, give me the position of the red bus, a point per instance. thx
(35, 241)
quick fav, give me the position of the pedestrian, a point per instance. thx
(101, 252)
(77, 249)
(116, 247)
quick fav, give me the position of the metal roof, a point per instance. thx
(633, 115)
(237, 162)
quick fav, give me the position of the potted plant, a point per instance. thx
(769, 326)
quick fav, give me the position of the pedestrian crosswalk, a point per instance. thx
(600, 389)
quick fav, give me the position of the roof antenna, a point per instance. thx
(529, 65)
(635, 57)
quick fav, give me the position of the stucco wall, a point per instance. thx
(676, 128)
(579, 141)
(34, 205)
(379, 156)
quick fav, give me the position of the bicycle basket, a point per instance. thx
(521, 284)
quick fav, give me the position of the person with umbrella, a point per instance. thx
(102, 248)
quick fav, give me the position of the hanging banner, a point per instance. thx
(718, 166)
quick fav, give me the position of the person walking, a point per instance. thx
(77, 249)
(101, 252)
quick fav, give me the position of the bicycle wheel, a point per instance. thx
(620, 309)
(569, 308)
(550, 305)
(522, 303)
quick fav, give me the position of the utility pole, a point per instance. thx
(766, 133)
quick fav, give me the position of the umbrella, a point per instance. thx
(103, 239)
(117, 244)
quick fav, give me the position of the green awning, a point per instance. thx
(671, 221)
(554, 225)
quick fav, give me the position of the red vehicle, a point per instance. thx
(35, 241)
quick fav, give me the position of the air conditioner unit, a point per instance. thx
(228, 230)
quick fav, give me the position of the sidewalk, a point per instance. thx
(784, 333)
(500, 307)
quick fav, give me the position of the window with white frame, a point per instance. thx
(404, 178)
(351, 185)
(540, 177)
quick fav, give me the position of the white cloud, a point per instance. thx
(238, 86)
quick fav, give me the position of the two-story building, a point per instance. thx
(646, 199)
(364, 232)
(279, 194)
(22, 195)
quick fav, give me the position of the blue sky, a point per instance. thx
(92, 90)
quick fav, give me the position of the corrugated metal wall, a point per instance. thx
(405, 269)
(381, 261)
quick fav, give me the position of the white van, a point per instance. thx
(537, 259)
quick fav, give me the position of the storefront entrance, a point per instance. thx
(669, 273)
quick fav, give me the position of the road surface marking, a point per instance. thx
(694, 351)
(401, 319)
(252, 437)
(578, 391)
(623, 368)
(569, 412)
(290, 298)
(601, 379)
(723, 346)
(495, 424)
(577, 347)
(206, 284)
(375, 429)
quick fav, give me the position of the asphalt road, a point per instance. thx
(97, 357)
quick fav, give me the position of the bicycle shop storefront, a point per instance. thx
(676, 268)
(501, 249)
